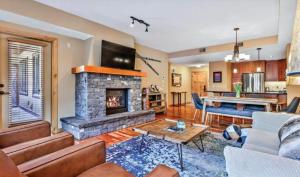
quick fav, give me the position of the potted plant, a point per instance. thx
(238, 88)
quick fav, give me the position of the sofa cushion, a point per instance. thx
(106, 170)
(290, 146)
(163, 171)
(262, 141)
(260, 149)
(289, 127)
(7, 167)
(230, 111)
(255, 107)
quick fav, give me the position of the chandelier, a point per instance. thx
(237, 56)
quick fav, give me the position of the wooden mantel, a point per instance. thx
(106, 70)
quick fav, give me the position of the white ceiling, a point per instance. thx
(178, 25)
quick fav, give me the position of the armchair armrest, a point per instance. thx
(23, 133)
(269, 121)
(249, 163)
(68, 162)
(30, 150)
(163, 171)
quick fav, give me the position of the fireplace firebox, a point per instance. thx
(116, 101)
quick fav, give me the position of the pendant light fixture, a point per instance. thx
(237, 56)
(258, 69)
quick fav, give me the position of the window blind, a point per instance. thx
(25, 79)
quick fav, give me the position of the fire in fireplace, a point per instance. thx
(116, 101)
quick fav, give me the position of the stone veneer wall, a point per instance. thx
(90, 93)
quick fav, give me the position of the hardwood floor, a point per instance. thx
(183, 112)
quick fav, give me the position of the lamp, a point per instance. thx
(258, 69)
(237, 56)
(235, 71)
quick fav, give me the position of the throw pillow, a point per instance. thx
(290, 146)
(290, 126)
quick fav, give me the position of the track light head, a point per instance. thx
(132, 24)
(146, 29)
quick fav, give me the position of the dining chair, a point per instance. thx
(293, 106)
(197, 103)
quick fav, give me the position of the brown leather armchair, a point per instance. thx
(30, 141)
(82, 160)
(30, 150)
(20, 134)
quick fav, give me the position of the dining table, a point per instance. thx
(267, 102)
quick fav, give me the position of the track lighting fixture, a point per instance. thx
(140, 21)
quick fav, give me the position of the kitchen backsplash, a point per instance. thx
(275, 86)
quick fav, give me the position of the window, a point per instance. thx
(25, 71)
(36, 90)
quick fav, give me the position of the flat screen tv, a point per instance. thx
(117, 56)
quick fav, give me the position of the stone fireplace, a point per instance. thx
(106, 99)
(91, 93)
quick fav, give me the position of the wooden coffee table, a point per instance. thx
(159, 129)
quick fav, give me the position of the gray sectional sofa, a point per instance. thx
(259, 155)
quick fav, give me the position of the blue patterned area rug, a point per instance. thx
(210, 163)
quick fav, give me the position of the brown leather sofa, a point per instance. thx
(82, 160)
(24, 133)
(30, 150)
(30, 141)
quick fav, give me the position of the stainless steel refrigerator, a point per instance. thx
(253, 83)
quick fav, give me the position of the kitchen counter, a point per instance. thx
(267, 92)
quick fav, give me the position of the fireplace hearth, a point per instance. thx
(116, 101)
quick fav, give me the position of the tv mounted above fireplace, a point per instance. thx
(117, 56)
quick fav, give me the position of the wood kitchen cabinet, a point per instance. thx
(276, 70)
(282, 66)
(246, 67)
(272, 70)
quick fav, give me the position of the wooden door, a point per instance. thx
(199, 82)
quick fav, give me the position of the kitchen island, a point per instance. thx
(281, 96)
(249, 106)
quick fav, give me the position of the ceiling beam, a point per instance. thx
(226, 47)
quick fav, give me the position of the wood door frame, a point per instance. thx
(54, 68)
